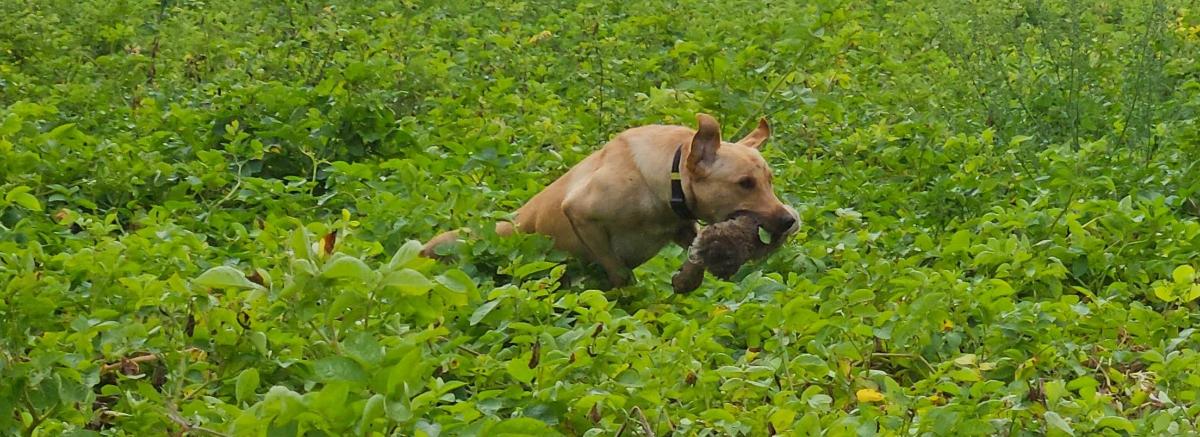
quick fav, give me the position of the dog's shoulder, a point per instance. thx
(657, 129)
(655, 136)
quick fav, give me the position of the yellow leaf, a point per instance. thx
(965, 360)
(750, 355)
(1183, 274)
(1194, 293)
(540, 36)
(947, 325)
(869, 395)
(197, 354)
(1164, 292)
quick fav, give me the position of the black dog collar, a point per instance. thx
(678, 200)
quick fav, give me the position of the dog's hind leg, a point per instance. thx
(505, 228)
(429, 250)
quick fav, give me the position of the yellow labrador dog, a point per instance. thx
(647, 187)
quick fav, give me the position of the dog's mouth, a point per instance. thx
(754, 217)
(767, 225)
(742, 213)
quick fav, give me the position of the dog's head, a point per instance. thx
(727, 179)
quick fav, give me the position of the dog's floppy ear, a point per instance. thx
(703, 150)
(759, 136)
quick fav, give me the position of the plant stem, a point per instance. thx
(1070, 198)
(787, 368)
(904, 355)
(37, 421)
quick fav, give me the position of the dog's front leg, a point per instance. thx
(595, 240)
(685, 235)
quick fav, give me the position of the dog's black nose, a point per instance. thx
(786, 221)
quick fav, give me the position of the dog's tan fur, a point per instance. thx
(613, 207)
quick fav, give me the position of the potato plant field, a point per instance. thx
(211, 213)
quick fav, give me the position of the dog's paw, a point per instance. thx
(621, 279)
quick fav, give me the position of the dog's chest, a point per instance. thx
(637, 245)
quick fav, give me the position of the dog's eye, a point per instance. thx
(747, 183)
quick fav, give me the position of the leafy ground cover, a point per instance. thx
(210, 210)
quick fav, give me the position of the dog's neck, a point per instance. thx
(652, 153)
(679, 199)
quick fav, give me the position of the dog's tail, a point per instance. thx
(429, 250)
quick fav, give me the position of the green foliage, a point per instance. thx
(210, 214)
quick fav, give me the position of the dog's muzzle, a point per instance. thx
(792, 221)
(784, 223)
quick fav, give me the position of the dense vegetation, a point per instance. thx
(208, 212)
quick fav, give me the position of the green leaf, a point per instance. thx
(1184, 274)
(348, 267)
(71, 390)
(399, 411)
(820, 401)
(812, 364)
(1193, 293)
(1055, 390)
(960, 242)
(1016, 140)
(966, 375)
(763, 235)
(247, 383)
(283, 399)
(344, 301)
(718, 414)
(860, 295)
(10, 125)
(224, 277)
(1116, 422)
(300, 244)
(20, 196)
(549, 412)
(338, 369)
(783, 418)
(362, 347)
(408, 281)
(965, 360)
(520, 426)
(404, 254)
(1057, 422)
(519, 369)
(1165, 292)
(330, 400)
(373, 409)
(531, 268)
(594, 299)
(407, 377)
(482, 311)
(1083, 382)
(457, 281)
(923, 242)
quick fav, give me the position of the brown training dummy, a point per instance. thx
(722, 248)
